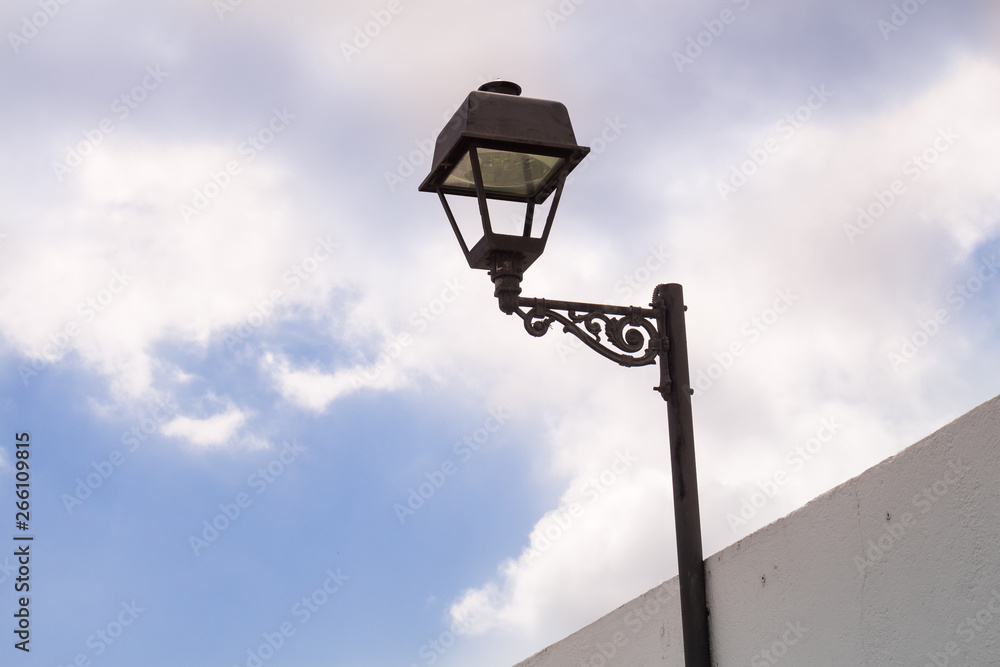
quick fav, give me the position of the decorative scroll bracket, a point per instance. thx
(628, 335)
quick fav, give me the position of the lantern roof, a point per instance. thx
(496, 118)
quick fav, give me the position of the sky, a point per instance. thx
(275, 419)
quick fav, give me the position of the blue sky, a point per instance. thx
(242, 341)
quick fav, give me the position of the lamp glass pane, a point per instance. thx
(505, 172)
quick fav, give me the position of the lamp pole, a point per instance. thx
(687, 515)
(639, 337)
(500, 146)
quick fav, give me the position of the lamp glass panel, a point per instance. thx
(505, 172)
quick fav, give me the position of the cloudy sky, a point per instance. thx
(274, 417)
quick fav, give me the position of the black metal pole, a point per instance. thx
(667, 343)
(675, 387)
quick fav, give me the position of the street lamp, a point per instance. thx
(500, 146)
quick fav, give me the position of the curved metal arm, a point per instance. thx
(631, 332)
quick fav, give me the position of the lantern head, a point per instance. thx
(504, 147)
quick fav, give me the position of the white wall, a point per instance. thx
(899, 566)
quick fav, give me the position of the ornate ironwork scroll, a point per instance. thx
(630, 336)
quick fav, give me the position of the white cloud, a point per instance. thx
(314, 390)
(213, 431)
(118, 270)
